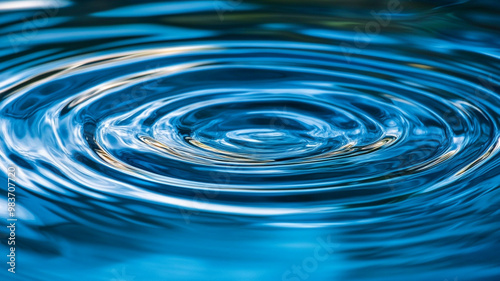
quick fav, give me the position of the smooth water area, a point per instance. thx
(252, 140)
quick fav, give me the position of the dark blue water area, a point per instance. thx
(250, 140)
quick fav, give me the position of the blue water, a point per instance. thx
(251, 140)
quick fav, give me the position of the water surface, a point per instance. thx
(252, 140)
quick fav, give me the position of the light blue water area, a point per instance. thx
(251, 140)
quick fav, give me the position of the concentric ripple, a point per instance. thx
(254, 123)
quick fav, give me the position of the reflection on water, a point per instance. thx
(252, 140)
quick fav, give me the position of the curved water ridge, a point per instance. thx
(376, 125)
